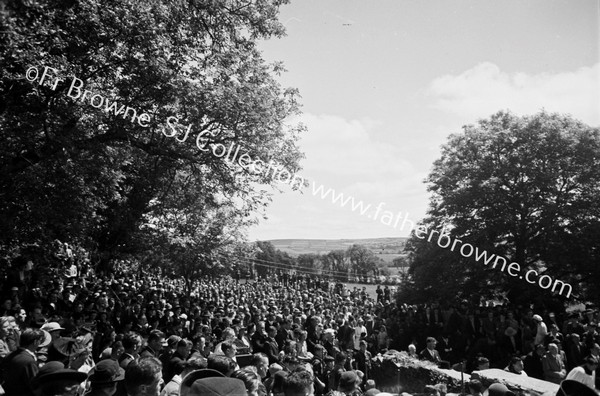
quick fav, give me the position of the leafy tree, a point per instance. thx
(335, 264)
(95, 177)
(362, 260)
(309, 261)
(268, 257)
(526, 188)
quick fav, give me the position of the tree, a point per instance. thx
(526, 188)
(270, 259)
(310, 262)
(362, 260)
(335, 265)
(95, 176)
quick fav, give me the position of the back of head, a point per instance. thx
(142, 374)
(298, 383)
(250, 378)
(29, 336)
(221, 363)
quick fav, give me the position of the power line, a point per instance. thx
(288, 266)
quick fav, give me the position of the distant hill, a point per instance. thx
(385, 248)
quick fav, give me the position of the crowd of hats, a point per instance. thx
(90, 311)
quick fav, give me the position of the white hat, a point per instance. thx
(538, 318)
(52, 326)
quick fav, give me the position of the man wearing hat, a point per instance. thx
(104, 378)
(21, 365)
(53, 379)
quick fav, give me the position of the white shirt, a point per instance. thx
(578, 374)
(542, 332)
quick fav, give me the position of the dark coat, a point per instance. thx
(19, 369)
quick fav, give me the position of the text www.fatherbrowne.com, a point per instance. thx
(444, 240)
(278, 173)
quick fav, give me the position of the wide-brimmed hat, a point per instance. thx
(106, 371)
(537, 318)
(52, 326)
(188, 380)
(217, 386)
(56, 371)
(47, 339)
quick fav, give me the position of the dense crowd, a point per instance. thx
(142, 334)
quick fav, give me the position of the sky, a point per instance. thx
(383, 84)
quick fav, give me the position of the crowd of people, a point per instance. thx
(141, 334)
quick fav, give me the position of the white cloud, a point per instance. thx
(485, 89)
(338, 146)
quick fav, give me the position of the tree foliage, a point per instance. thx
(340, 265)
(76, 173)
(527, 188)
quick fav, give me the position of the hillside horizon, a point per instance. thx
(384, 248)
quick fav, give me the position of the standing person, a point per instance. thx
(554, 367)
(21, 365)
(586, 373)
(541, 330)
(336, 373)
(363, 361)
(360, 332)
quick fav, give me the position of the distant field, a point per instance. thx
(385, 248)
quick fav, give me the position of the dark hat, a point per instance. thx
(574, 388)
(217, 386)
(191, 378)
(63, 347)
(329, 358)
(54, 371)
(348, 381)
(106, 371)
